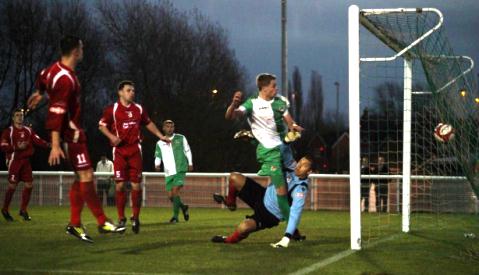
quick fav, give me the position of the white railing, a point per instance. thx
(327, 191)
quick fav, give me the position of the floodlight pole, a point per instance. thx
(284, 50)
(337, 122)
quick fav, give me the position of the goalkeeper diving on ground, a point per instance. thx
(263, 201)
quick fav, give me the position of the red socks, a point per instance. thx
(120, 201)
(90, 197)
(121, 198)
(232, 193)
(26, 193)
(76, 204)
(8, 198)
(235, 237)
(136, 202)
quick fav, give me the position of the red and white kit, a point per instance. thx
(64, 112)
(17, 143)
(63, 88)
(125, 122)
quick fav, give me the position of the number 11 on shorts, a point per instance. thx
(81, 158)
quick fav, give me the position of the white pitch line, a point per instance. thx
(338, 257)
(67, 271)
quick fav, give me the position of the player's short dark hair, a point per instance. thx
(168, 121)
(68, 43)
(17, 110)
(123, 83)
(263, 80)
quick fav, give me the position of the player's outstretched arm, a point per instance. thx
(154, 130)
(233, 112)
(291, 124)
(40, 87)
(34, 99)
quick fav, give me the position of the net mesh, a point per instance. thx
(444, 91)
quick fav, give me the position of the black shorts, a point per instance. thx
(252, 194)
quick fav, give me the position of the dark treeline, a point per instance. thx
(322, 127)
(176, 59)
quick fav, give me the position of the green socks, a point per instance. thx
(177, 204)
(283, 206)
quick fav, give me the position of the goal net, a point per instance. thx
(405, 79)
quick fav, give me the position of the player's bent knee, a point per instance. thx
(119, 186)
(135, 186)
(282, 190)
(28, 185)
(247, 226)
(85, 175)
(12, 185)
(238, 180)
(175, 191)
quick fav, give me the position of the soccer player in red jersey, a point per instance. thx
(17, 143)
(121, 124)
(63, 121)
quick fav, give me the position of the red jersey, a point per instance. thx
(14, 138)
(125, 121)
(63, 88)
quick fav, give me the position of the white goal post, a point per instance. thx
(357, 18)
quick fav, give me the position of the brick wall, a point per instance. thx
(326, 194)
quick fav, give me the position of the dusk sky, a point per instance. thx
(317, 34)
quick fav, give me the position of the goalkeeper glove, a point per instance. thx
(281, 244)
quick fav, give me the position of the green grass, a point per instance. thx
(186, 248)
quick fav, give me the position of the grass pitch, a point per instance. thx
(436, 246)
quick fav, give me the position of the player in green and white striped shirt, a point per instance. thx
(177, 160)
(267, 114)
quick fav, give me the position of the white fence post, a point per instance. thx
(40, 191)
(143, 195)
(60, 191)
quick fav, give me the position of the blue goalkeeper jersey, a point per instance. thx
(297, 191)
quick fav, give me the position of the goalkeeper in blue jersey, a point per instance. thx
(263, 201)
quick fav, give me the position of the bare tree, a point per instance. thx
(314, 107)
(298, 94)
(176, 60)
(30, 31)
(25, 48)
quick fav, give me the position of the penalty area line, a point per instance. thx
(69, 271)
(338, 257)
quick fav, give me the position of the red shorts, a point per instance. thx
(19, 170)
(127, 163)
(77, 154)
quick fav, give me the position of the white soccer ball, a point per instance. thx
(444, 132)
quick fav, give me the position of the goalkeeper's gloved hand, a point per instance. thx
(244, 134)
(281, 244)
